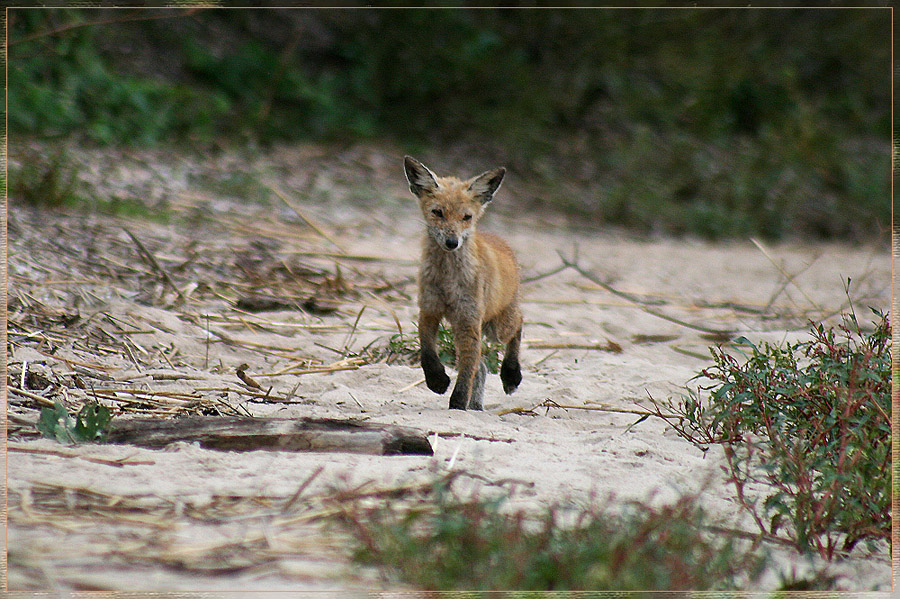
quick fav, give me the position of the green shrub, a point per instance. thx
(439, 541)
(60, 85)
(809, 423)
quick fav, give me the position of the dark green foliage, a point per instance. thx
(61, 85)
(720, 123)
(275, 100)
(443, 542)
(91, 425)
(811, 422)
(490, 351)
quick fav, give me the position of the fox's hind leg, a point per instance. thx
(507, 328)
(510, 371)
(476, 400)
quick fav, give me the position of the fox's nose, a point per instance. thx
(452, 243)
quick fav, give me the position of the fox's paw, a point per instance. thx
(437, 381)
(458, 400)
(435, 377)
(511, 376)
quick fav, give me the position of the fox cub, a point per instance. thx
(469, 278)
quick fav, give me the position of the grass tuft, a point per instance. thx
(46, 181)
(441, 541)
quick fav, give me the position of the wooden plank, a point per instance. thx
(239, 433)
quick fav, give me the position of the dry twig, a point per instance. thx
(573, 264)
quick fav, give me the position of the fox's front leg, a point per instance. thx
(435, 377)
(468, 362)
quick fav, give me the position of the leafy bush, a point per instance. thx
(440, 541)
(61, 85)
(807, 434)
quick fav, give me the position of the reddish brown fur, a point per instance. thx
(469, 278)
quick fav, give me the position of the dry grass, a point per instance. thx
(255, 534)
(126, 314)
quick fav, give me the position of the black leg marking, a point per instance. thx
(435, 377)
(459, 398)
(510, 375)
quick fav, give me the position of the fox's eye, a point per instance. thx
(438, 212)
(467, 217)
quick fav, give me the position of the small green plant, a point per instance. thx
(91, 425)
(446, 346)
(43, 181)
(401, 344)
(439, 541)
(810, 423)
(408, 345)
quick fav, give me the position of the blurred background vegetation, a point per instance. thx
(717, 123)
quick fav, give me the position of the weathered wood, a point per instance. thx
(237, 433)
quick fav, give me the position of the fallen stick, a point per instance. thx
(156, 266)
(356, 257)
(789, 279)
(544, 275)
(125, 461)
(28, 394)
(298, 369)
(411, 385)
(719, 333)
(549, 403)
(236, 433)
(312, 225)
(610, 346)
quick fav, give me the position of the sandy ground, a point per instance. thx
(191, 519)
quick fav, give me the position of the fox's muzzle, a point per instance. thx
(451, 243)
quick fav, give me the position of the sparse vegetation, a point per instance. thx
(807, 434)
(52, 181)
(408, 345)
(439, 540)
(47, 181)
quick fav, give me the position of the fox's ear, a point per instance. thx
(420, 178)
(485, 185)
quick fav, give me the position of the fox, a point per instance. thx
(470, 279)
